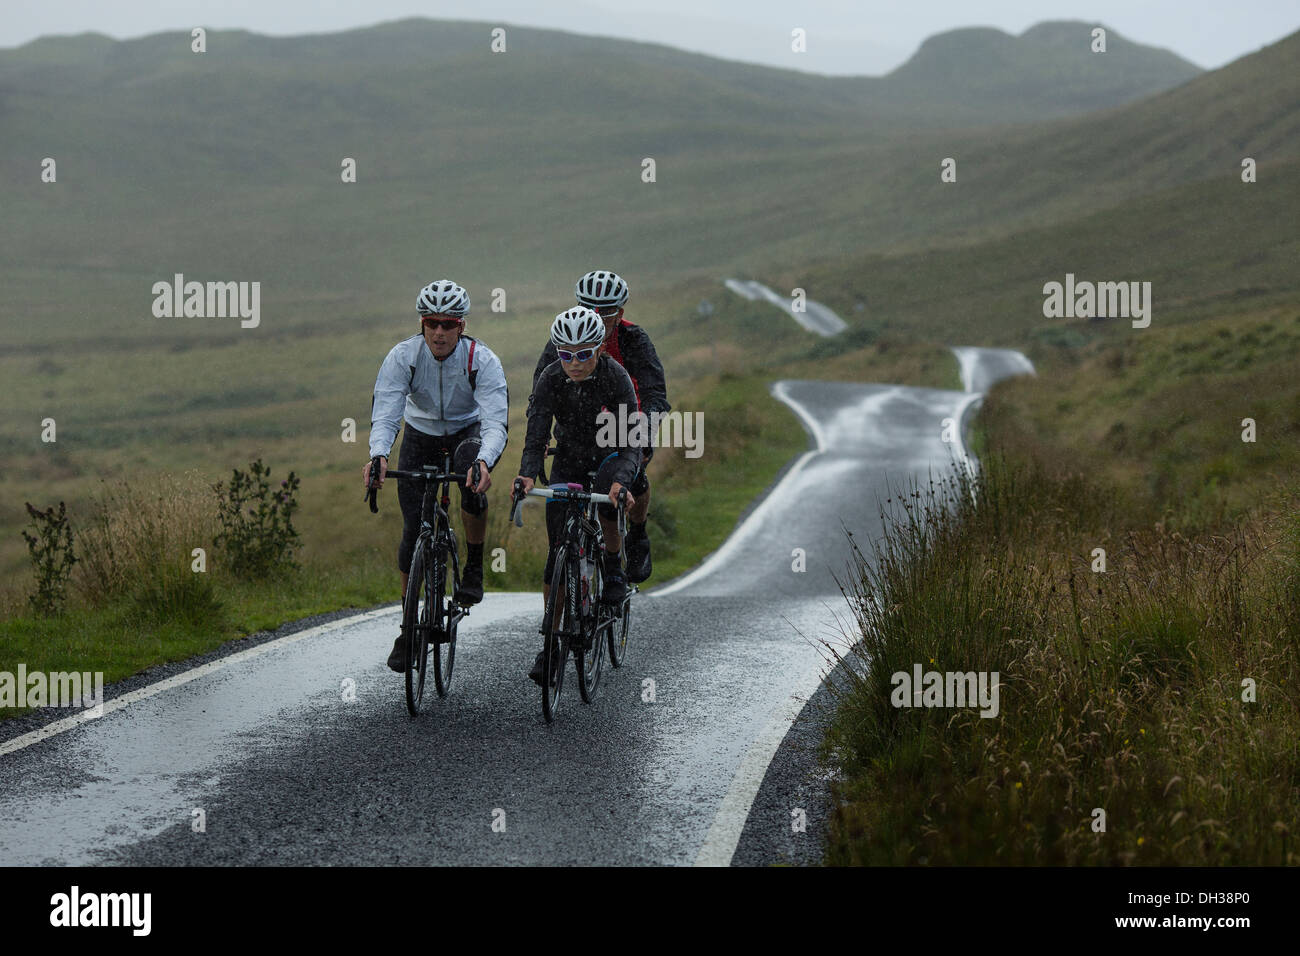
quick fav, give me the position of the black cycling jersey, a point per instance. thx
(638, 357)
(575, 408)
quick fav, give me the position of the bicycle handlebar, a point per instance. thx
(432, 474)
(563, 494)
(425, 475)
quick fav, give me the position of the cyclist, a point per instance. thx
(451, 390)
(606, 293)
(572, 391)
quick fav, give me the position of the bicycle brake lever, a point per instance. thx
(372, 490)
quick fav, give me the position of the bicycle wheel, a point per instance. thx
(557, 623)
(618, 633)
(415, 625)
(591, 658)
(444, 632)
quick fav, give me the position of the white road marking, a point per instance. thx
(719, 845)
(153, 690)
(736, 538)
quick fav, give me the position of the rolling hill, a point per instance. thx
(502, 169)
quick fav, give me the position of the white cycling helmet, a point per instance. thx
(577, 327)
(443, 297)
(601, 290)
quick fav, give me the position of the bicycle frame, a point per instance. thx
(435, 546)
(437, 533)
(580, 519)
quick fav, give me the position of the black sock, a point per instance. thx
(635, 529)
(475, 553)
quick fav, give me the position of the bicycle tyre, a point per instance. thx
(415, 624)
(618, 633)
(444, 649)
(555, 642)
(591, 658)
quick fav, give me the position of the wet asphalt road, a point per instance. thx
(302, 751)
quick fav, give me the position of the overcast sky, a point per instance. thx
(843, 36)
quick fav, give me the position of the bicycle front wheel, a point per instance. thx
(557, 624)
(444, 632)
(415, 626)
(618, 633)
(591, 655)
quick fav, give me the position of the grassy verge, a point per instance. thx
(1161, 690)
(1162, 693)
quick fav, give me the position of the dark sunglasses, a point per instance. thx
(447, 325)
(610, 313)
(566, 356)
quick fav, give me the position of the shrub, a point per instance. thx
(257, 533)
(51, 551)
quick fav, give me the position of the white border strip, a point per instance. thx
(729, 822)
(152, 690)
(711, 563)
(720, 843)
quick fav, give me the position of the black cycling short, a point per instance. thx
(420, 449)
(564, 471)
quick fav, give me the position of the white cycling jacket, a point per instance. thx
(435, 396)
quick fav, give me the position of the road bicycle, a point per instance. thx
(576, 617)
(430, 614)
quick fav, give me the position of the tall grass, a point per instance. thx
(1121, 691)
(137, 546)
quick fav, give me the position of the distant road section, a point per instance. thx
(980, 368)
(817, 317)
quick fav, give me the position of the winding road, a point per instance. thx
(299, 748)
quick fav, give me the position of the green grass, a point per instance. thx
(1120, 691)
(1207, 248)
(1159, 417)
